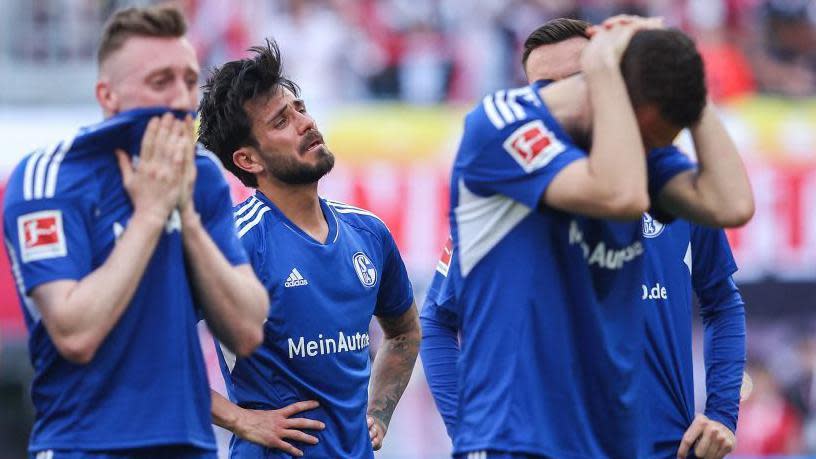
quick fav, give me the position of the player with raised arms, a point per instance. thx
(607, 353)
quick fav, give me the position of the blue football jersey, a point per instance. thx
(322, 299)
(146, 385)
(550, 337)
(679, 256)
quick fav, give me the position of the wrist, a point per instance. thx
(149, 219)
(190, 219)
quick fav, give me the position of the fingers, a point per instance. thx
(375, 434)
(299, 407)
(704, 444)
(124, 166)
(690, 437)
(288, 448)
(299, 436)
(304, 423)
(149, 139)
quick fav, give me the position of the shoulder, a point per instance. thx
(208, 164)
(504, 107)
(49, 172)
(358, 217)
(249, 217)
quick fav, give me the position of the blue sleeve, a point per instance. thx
(512, 146)
(662, 165)
(48, 238)
(439, 352)
(396, 294)
(712, 260)
(723, 313)
(214, 204)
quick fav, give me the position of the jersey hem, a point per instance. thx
(522, 450)
(152, 443)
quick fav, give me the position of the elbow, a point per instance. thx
(249, 341)
(629, 205)
(76, 349)
(737, 215)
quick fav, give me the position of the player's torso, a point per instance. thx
(316, 341)
(667, 294)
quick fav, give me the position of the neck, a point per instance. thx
(299, 203)
(568, 102)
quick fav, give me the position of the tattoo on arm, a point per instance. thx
(394, 363)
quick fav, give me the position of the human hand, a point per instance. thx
(271, 428)
(376, 431)
(608, 41)
(186, 203)
(153, 183)
(713, 439)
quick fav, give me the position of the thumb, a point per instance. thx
(125, 165)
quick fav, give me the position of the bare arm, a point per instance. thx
(612, 182)
(267, 428)
(78, 315)
(392, 370)
(719, 193)
(235, 303)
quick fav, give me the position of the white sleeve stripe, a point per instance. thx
(246, 206)
(28, 177)
(501, 104)
(492, 114)
(249, 214)
(512, 101)
(39, 172)
(53, 170)
(254, 222)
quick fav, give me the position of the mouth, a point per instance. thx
(312, 144)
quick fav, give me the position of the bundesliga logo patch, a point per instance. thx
(443, 265)
(41, 235)
(533, 146)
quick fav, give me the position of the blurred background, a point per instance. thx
(389, 82)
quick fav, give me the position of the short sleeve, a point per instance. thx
(513, 147)
(396, 294)
(47, 240)
(214, 204)
(711, 257)
(664, 164)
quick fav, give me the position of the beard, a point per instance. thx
(288, 170)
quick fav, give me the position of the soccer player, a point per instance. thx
(584, 401)
(109, 259)
(552, 52)
(328, 268)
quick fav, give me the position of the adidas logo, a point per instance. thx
(295, 279)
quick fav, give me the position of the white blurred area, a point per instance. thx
(389, 81)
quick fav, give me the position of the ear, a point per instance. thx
(248, 160)
(106, 97)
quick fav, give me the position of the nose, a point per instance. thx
(305, 123)
(182, 97)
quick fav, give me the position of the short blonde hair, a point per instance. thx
(154, 21)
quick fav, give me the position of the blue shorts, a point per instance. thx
(164, 452)
(496, 455)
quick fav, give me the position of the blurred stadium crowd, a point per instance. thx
(430, 52)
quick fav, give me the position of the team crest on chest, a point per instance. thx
(365, 269)
(651, 227)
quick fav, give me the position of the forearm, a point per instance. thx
(440, 351)
(225, 414)
(82, 316)
(391, 372)
(722, 182)
(724, 327)
(617, 160)
(235, 304)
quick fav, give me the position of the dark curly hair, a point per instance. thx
(664, 68)
(225, 125)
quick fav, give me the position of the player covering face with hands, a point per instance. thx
(120, 238)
